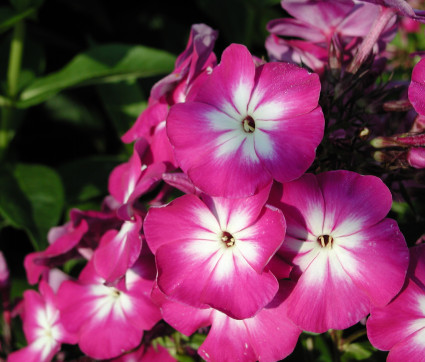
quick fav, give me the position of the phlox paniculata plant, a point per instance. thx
(274, 234)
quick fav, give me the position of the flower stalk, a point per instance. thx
(14, 69)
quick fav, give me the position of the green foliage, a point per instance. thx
(9, 17)
(101, 64)
(86, 179)
(32, 199)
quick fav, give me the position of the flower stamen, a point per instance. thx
(228, 239)
(325, 241)
(248, 124)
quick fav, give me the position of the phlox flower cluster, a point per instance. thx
(265, 241)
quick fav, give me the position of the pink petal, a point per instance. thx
(411, 349)
(285, 91)
(303, 206)
(396, 322)
(417, 87)
(353, 202)
(202, 272)
(290, 147)
(224, 327)
(293, 28)
(325, 297)
(118, 251)
(231, 82)
(237, 214)
(321, 14)
(416, 157)
(267, 337)
(376, 259)
(34, 353)
(186, 217)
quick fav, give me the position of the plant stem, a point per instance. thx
(354, 336)
(13, 71)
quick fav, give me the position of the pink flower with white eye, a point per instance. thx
(247, 125)
(346, 255)
(400, 326)
(266, 337)
(109, 320)
(214, 251)
(42, 327)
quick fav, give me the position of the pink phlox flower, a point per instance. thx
(119, 250)
(399, 327)
(346, 255)
(267, 336)
(42, 327)
(214, 252)
(401, 7)
(319, 23)
(247, 125)
(77, 238)
(130, 180)
(196, 60)
(109, 320)
(63, 242)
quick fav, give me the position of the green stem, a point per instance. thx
(347, 341)
(15, 59)
(13, 71)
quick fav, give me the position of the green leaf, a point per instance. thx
(15, 207)
(25, 4)
(196, 340)
(9, 17)
(64, 108)
(357, 351)
(123, 102)
(43, 188)
(87, 178)
(101, 64)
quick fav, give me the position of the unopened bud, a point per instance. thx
(397, 106)
(364, 134)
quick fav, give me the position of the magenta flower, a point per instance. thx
(42, 327)
(266, 337)
(214, 252)
(400, 326)
(109, 320)
(346, 255)
(247, 125)
(319, 23)
(118, 250)
(195, 61)
(132, 179)
(417, 87)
